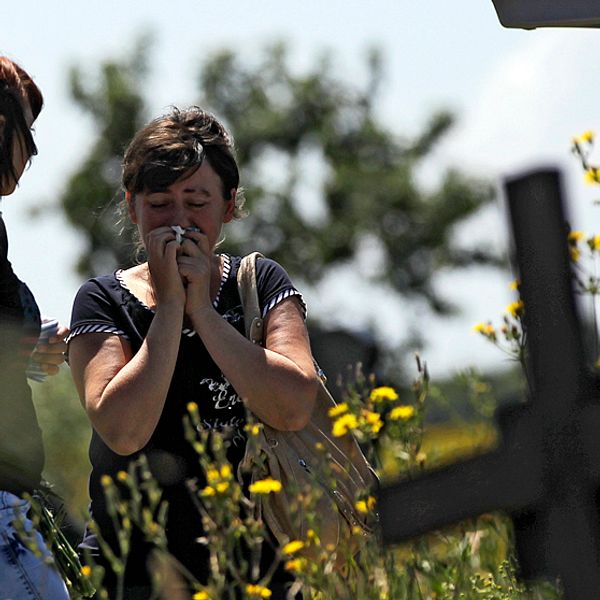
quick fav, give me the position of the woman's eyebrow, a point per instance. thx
(196, 190)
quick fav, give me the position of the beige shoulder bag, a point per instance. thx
(307, 461)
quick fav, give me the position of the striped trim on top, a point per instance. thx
(187, 331)
(95, 328)
(280, 298)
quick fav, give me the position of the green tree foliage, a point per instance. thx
(364, 195)
(112, 99)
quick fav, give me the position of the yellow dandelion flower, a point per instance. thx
(86, 571)
(106, 480)
(208, 491)
(372, 419)
(201, 596)
(212, 475)
(312, 536)
(265, 486)
(365, 506)
(587, 136)
(338, 410)
(122, 476)
(253, 428)
(575, 236)
(486, 329)
(222, 487)
(258, 590)
(594, 243)
(226, 471)
(296, 564)
(383, 393)
(344, 424)
(515, 308)
(402, 413)
(293, 547)
(192, 407)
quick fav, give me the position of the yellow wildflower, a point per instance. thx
(86, 571)
(382, 393)
(122, 476)
(293, 547)
(192, 407)
(591, 175)
(344, 424)
(212, 475)
(265, 486)
(253, 428)
(208, 491)
(594, 243)
(587, 137)
(311, 535)
(515, 308)
(201, 596)
(296, 564)
(365, 506)
(402, 413)
(226, 471)
(222, 487)
(258, 590)
(575, 236)
(340, 409)
(106, 480)
(373, 419)
(486, 329)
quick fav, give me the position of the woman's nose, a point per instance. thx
(181, 217)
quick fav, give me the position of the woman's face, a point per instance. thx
(192, 201)
(20, 156)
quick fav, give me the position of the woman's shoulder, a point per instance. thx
(107, 282)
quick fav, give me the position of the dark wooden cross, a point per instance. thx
(545, 472)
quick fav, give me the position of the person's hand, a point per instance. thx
(195, 267)
(49, 353)
(162, 249)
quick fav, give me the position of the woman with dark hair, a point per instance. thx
(23, 573)
(147, 341)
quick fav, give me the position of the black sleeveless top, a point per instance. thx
(21, 449)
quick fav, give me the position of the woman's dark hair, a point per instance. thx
(177, 143)
(17, 89)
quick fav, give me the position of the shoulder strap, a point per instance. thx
(246, 280)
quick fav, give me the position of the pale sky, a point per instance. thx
(519, 96)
